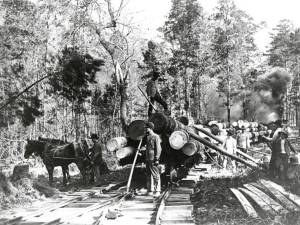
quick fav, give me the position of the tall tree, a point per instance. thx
(233, 47)
(181, 30)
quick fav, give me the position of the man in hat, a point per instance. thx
(153, 151)
(243, 139)
(230, 146)
(99, 166)
(283, 149)
(153, 93)
(273, 140)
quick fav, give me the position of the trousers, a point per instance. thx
(157, 97)
(153, 177)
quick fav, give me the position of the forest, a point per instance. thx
(69, 68)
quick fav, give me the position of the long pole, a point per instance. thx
(133, 165)
(222, 151)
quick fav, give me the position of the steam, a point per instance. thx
(268, 99)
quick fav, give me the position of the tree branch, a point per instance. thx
(12, 99)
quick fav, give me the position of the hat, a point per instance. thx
(94, 136)
(150, 125)
(283, 131)
(230, 131)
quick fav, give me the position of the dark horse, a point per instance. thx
(59, 155)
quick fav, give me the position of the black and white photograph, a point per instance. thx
(149, 112)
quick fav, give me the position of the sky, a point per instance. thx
(151, 14)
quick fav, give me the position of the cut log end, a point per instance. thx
(178, 139)
(116, 143)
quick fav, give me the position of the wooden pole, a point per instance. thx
(222, 151)
(133, 165)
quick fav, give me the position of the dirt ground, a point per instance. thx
(215, 204)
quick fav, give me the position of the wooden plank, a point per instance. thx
(267, 199)
(244, 202)
(280, 197)
(294, 198)
(262, 204)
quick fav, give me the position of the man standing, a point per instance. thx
(96, 157)
(276, 128)
(230, 146)
(153, 151)
(284, 149)
(153, 93)
(243, 139)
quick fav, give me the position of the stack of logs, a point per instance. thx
(182, 139)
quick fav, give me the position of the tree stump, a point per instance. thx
(20, 171)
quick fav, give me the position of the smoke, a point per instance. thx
(268, 98)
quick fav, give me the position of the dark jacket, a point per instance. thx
(97, 152)
(153, 147)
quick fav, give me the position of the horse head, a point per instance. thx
(33, 146)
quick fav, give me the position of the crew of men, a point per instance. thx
(281, 149)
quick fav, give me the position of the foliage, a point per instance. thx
(74, 74)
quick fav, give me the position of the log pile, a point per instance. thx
(179, 141)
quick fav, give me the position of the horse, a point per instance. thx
(61, 155)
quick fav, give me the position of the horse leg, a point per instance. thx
(50, 172)
(68, 174)
(64, 170)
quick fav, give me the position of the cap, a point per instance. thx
(150, 125)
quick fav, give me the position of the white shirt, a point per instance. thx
(230, 145)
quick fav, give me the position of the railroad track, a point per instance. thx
(90, 206)
(83, 207)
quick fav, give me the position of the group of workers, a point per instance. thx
(280, 146)
(281, 149)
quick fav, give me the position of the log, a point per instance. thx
(261, 203)
(294, 198)
(202, 130)
(116, 143)
(137, 130)
(247, 156)
(125, 152)
(222, 151)
(279, 196)
(221, 142)
(267, 199)
(164, 124)
(178, 139)
(191, 147)
(244, 202)
(20, 171)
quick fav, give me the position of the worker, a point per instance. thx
(153, 93)
(276, 128)
(230, 146)
(243, 139)
(153, 151)
(99, 166)
(283, 148)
